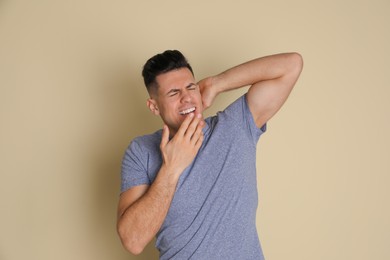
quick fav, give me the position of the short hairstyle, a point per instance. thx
(162, 63)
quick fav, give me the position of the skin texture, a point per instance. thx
(177, 92)
(142, 209)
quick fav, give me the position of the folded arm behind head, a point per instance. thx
(270, 78)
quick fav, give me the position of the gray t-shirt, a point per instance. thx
(213, 212)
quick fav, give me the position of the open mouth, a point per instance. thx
(187, 111)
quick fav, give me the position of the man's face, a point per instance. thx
(177, 96)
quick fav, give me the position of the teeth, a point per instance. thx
(192, 109)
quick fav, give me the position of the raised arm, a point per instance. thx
(142, 209)
(271, 80)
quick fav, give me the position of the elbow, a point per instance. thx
(133, 248)
(130, 243)
(296, 61)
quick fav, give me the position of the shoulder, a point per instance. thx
(145, 144)
(236, 111)
(226, 119)
(141, 160)
(148, 140)
(237, 118)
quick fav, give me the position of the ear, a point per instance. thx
(152, 105)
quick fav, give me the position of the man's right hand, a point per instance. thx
(180, 151)
(208, 90)
(142, 209)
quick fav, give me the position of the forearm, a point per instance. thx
(254, 71)
(270, 78)
(140, 222)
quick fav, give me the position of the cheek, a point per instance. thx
(169, 109)
(199, 96)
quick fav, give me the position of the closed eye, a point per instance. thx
(172, 92)
(192, 86)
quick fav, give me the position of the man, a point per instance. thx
(193, 183)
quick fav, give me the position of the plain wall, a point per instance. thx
(72, 98)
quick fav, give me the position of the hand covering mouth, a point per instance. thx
(187, 111)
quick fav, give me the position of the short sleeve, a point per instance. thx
(240, 113)
(134, 171)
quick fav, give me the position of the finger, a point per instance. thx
(183, 127)
(199, 141)
(193, 126)
(198, 132)
(205, 103)
(164, 137)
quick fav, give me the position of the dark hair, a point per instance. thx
(162, 63)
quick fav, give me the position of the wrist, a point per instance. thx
(170, 173)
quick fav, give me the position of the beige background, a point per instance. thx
(72, 98)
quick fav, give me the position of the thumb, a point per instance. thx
(165, 136)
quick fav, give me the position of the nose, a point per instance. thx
(185, 97)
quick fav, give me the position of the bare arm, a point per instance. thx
(271, 79)
(142, 209)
